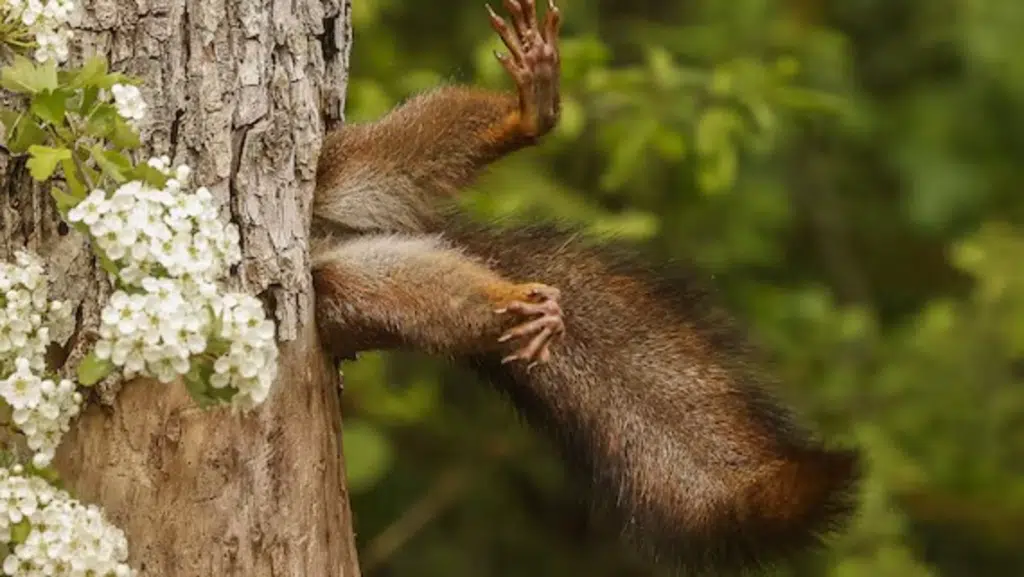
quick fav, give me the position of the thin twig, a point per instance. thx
(445, 491)
(74, 156)
(81, 170)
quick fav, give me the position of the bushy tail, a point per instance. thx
(656, 396)
(800, 499)
(788, 507)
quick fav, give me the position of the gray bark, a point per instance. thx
(240, 90)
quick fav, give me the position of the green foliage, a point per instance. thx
(849, 172)
(373, 451)
(44, 160)
(20, 531)
(23, 76)
(66, 129)
(93, 369)
(197, 381)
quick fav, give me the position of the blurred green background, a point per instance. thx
(850, 172)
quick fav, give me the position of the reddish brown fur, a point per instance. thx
(652, 393)
(384, 176)
(656, 396)
(487, 125)
(398, 291)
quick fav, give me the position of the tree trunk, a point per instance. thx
(241, 91)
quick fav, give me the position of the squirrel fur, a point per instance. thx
(646, 385)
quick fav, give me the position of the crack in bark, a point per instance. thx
(173, 136)
(238, 144)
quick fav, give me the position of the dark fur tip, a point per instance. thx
(790, 514)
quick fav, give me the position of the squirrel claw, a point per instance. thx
(532, 61)
(545, 293)
(547, 325)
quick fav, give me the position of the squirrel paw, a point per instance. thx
(532, 61)
(541, 302)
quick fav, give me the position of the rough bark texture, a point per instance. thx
(241, 90)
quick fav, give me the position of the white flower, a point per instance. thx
(129, 102)
(163, 164)
(250, 365)
(28, 320)
(171, 250)
(47, 21)
(33, 10)
(66, 537)
(52, 45)
(42, 409)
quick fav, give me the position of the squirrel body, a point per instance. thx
(645, 385)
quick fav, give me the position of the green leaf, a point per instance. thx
(76, 187)
(90, 175)
(223, 394)
(717, 172)
(65, 201)
(47, 75)
(627, 154)
(48, 474)
(90, 96)
(197, 381)
(7, 458)
(149, 175)
(51, 105)
(105, 262)
(123, 135)
(20, 531)
(44, 160)
(64, 133)
(90, 74)
(93, 369)
(217, 347)
(24, 77)
(101, 121)
(108, 81)
(113, 163)
(9, 118)
(198, 376)
(27, 132)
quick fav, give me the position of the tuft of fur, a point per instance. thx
(656, 397)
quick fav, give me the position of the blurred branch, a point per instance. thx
(827, 222)
(997, 521)
(449, 486)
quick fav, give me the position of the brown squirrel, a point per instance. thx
(646, 386)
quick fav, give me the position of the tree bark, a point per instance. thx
(241, 91)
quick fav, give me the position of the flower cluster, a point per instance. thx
(49, 533)
(171, 249)
(28, 317)
(150, 231)
(42, 409)
(129, 103)
(46, 20)
(250, 364)
(154, 332)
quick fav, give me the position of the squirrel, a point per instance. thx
(647, 386)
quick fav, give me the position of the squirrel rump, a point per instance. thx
(646, 386)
